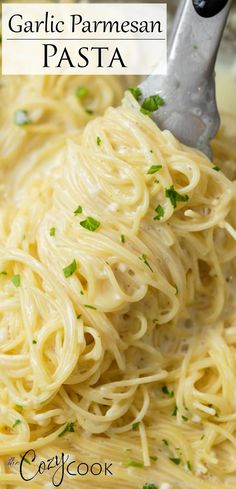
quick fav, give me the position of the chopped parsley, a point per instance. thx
(149, 486)
(174, 413)
(133, 463)
(145, 112)
(136, 92)
(81, 292)
(176, 461)
(17, 421)
(184, 418)
(165, 442)
(89, 111)
(70, 269)
(19, 407)
(22, 118)
(144, 259)
(174, 196)
(90, 307)
(99, 141)
(78, 316)
(152, 103)
(79, 210)
(159, 213)
(135, 426)
(69, 428)
(216, 168)
(189, 465)
(166, 391)
(34, 342)
(3, 273)
(16, 280)
(25, 459)
(90, 223)
(81, 91)
(153, 169)
(122, 238)
(52, 231)
(154, 458)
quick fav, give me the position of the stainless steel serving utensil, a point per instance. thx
(188, 89)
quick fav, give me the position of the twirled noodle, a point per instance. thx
(135, 345)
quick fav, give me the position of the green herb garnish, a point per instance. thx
(184, 418)
(3, 273)
(144, 259)
(149, 486)
(16, 280)
(99, 141)
(135, 426)
(166, 391)
(69, 428)
(159, 213)
(189, 465)
(78, 316)
(152, 103)
(154, 458)
(19, 407)
(22, 118)
(153, 169)
(25, 459)
(174, 413)
(145, 112)
(70, 269)
(52, 231)
(174, 196)
(90, 307)
(176, 461)
(81, 92)
(79, 210)
(133, 463)
(136, 92)
(165, 442)
(89, 111)
(34, 342)
(216, 168)
(17, 421)
(90, 223)
(122, 238)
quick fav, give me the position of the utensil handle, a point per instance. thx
(197, 33)
(209, 8)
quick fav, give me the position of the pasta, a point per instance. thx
(117, 262)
